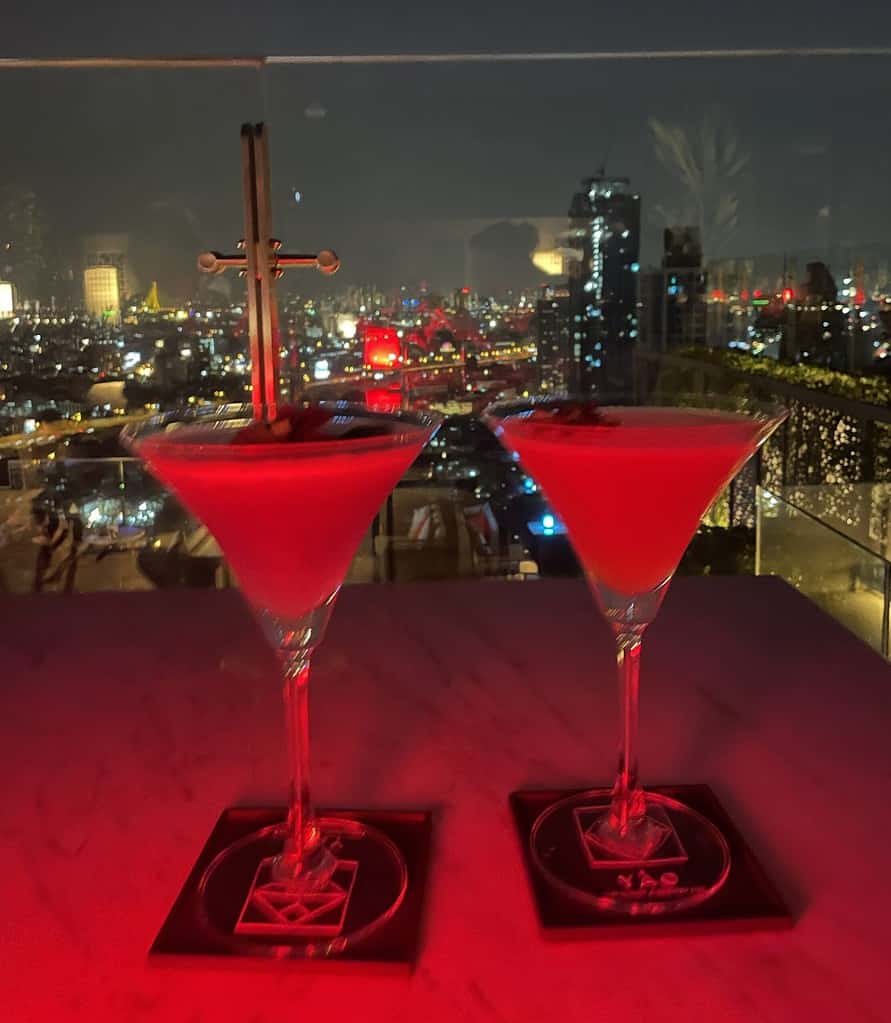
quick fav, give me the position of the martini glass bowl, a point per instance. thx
(288, 502)
(631, 482)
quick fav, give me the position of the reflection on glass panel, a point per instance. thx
(812, 546)
(861, 511)
(500, 234)
(694, 212)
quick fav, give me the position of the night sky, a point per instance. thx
(388, 157)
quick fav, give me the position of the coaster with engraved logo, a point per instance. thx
(569, 867)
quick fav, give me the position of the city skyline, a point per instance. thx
(417, 350)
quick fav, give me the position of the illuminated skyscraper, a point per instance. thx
(102, 296)
(112, 250)
(553, 332)
(605, 229)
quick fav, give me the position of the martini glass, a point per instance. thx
(288, 502)
(631, 483)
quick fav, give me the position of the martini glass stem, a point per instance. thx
(302, 835)
(628, 803)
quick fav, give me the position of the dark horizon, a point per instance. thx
(387, 156)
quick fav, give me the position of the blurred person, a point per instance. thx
(50, 536)
(73, 542)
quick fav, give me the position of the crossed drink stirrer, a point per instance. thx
(262, 263)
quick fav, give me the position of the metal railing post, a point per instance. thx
(886, 607)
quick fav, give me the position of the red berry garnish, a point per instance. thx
(291, 424)
(572, 413)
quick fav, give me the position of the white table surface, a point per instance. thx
(127, 722)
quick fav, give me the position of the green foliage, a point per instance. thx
(874, 390)
(717, 551)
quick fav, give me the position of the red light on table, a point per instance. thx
(788, 295)
(382, 347)
(718, 295)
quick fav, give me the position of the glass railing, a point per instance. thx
(88, 524)
(465, 510)
(742, 245)
(831, 544)
(838, 430)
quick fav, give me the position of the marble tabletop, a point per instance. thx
(127, 722)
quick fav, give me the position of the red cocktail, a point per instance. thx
(289, 515)
(288, 502)
(631, 484)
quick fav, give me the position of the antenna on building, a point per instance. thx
(610, 136)
(602, 170)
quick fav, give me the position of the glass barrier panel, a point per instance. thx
(847, 580)
(500, 234)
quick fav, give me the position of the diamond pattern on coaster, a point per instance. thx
(272, 909)
(666, 847)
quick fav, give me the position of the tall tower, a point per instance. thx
(605, 229)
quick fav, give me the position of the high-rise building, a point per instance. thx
(553, 333)
(673, 300)
(605, 229)
(7, 299)
(23, 231)
(102, 296)
(112, 250)
(817, 331)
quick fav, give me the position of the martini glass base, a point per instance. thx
(653, 839)
(368, 910)
(675, 858)
(701, 878)
(362, 887)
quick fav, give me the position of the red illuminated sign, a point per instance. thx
(383, 349)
